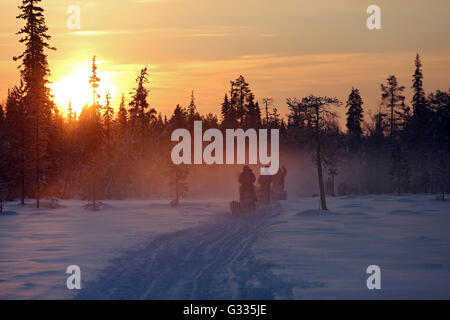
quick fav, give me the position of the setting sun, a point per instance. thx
(75, 89)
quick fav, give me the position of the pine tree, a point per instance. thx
(70, 114)
(90, 139)
(354, 113)
(317, 110)
(238, 97)
(228, 114)
(94, 81)
(439, 146)
(108, 122)
(140, 117)
(108, 118)
(179, 118)
(418, 100)
(177, 176)
(122, 151)
(140, 121)
(192, 112)
(274, 119)
(253, 113)
(16, 126)
(267, 102)
(392, 98)
(122, 119)
(34, 71)
(90, 142)
(210, 121)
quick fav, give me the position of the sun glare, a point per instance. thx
(74, 89)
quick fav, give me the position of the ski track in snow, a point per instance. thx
(211, 261)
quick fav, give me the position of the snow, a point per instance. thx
(146, 249)
(325, 255)
(36, 246)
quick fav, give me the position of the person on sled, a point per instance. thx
(278, 184)
(264, 182)
(247, 195)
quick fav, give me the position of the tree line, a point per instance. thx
(104, 154)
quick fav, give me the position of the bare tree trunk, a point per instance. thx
(323, 201)
(332, 185)
(37, 159)
(22, 156)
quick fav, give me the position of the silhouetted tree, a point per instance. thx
(253, 113)
(108, 119)
(94, 81)
(192, 112)
(177, 176)
(354, 113)
(34, 71)
(179, 118)
(317, 110)
(392, 98)
(140, 121)
(238, 95)
(418, 100)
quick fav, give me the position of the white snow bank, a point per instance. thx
(324, 255)
(36, 246)
(295, 252)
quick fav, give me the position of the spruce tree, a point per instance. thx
(123, 149)
(253, 113)
(177, 176)
(418, 100)
(94, 81)
(34, 71)
(179, 118)
(122, 119)
(140, 121)
(19, 138)
(140, 117)
(392, 98)
(108, 118)
(108, 128)
(90, 139)
(192, 112)
(238, 97)
(354, 113)
(228, 114)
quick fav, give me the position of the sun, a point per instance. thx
(74, 89)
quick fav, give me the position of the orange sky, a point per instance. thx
(283, 48)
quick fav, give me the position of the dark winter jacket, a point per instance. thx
(247, 178)
(265, 181)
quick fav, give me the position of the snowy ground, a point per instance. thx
(149, 250)
(37, 246)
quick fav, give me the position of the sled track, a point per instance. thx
(211, 261)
